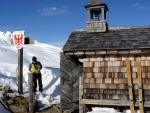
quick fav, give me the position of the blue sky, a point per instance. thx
(52, 21)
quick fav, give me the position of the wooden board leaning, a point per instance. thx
(130, 84)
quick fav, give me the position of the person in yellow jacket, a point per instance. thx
(35, 67)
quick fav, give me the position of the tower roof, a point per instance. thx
(96, 3)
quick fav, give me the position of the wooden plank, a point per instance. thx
(135, 51)
(88, 64)
(86, 59)
(133, 63)
(68, 53)
(80, 88)
(79, 53)
(99, 58)
(30, 88)
(112, 51)
(143, 63)
(88, 69)
(20, 71)
(97, 64)
(132, 57)
(70, 70)
(130, 85)
(120, 80)
(92, 80)
(147, 63)
(99, 80)
(87, 75)
(117, 63)
(92, 85)
(143, 57)
(113, 57)
(123, 52)
(99, 75)
(89, 52)
(140, 85)
(145, 86)
(101, 52)
(108, 80)
(110, 102)
(145, 51)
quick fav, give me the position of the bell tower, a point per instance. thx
(96, 16)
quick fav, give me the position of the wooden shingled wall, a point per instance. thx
(70, 70)
(105, 77)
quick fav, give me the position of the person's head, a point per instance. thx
(34, 59)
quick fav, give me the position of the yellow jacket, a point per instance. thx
(36, 67)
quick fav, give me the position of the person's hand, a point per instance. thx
(38, 70)
(33, 71)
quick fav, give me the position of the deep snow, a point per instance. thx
(49, 57)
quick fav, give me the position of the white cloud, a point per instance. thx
(51, 11)
(140, 6)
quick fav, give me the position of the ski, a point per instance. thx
(130, 84)
(140, 86)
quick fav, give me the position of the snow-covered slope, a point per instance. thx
(49, 57)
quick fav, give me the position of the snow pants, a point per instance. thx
(37, 77)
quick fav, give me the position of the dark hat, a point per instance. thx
(34, 59)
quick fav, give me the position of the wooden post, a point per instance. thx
(140, 85)
(27, 40)
(130, 83)
(20, 71)
(81, 107)
(30, 86)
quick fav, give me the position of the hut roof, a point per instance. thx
(114, 38)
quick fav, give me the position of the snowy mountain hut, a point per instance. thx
(103, 66)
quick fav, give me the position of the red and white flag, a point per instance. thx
(18, 39)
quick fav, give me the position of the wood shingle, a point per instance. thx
(115, 38)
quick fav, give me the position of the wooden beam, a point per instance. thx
(110, 102)
(123, 52)
(130, 83)
(135, 51)
(112, 51)
(68, 53)
(30, 89)
(140, 85)
(89, 52)
(20, 71)
(101, 52)
(79, 53)
(145, 51)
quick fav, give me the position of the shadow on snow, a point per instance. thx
(56, 73)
